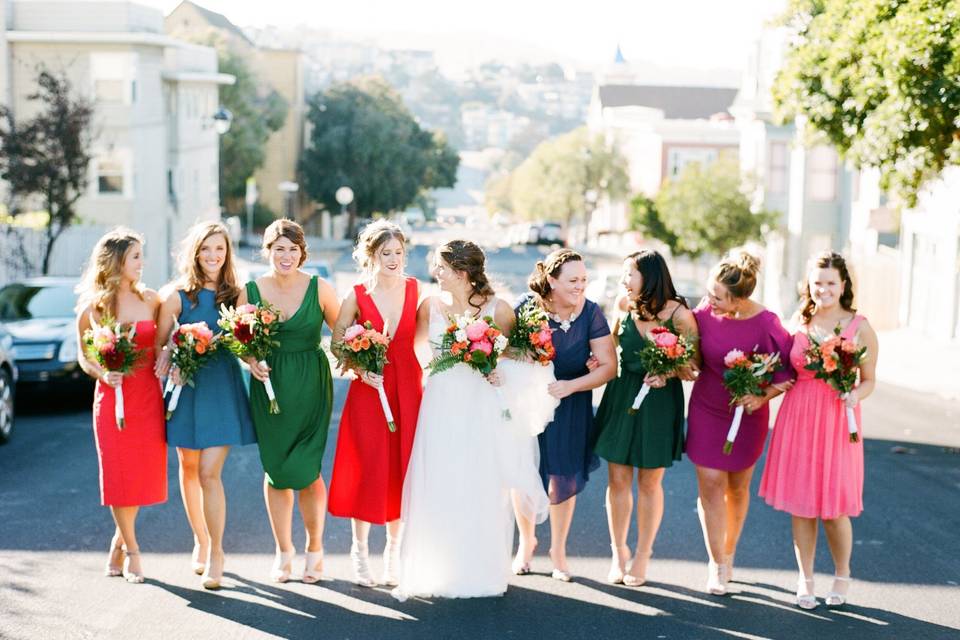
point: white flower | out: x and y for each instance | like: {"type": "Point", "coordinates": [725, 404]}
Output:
{"type": "Point", "coordinates": [462, 322]}
{"type": "Point", "coordinates": [500, 343]}
{"type": "Point", "coordinates": [460, 335]}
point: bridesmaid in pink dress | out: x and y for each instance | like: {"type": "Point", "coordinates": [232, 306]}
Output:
{"type": "Point", "coordinates": [813, 470]}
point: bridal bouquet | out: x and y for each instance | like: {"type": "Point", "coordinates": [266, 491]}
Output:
{"type": "Point", "coordinates": [476, 342]}
{"type": "Point", "coordinates": [664, 353]}
{"type": "Point", "coordinates": [363, 349]}
{"type": "Point", "coordinates": [248, 332]}
{"type": "Point", "coordinates": [532, 336]}
{"type": "Point", "coordinates": [111, 345]}
{"type": "Point", "coordinates": [193, 344]}
{"type": "Point", "coordinates": [837, 361]}
{"type": "Point", "coordinates": [747, 374]}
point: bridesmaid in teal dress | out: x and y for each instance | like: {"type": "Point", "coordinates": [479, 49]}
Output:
{"type": "Point", "coordinates": [213, 414]}
{"type": "Point", "coordinates": [292, 442]}
{"type": "Point", "coordinates": [652, 439]}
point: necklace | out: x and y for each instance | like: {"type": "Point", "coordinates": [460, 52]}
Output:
{"type": "Point", "coordinates": [564, 324]}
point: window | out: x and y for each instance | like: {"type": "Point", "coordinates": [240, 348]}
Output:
{"type": "Point", "coordinates": [778, 168]}
{"type": "Point", "coordinates": [114, 77]}
{"type": "Point", "coordinates": [109, 176]}
{"type": "Point", "coordinates": [679, 158]}
{"type": "Point", "coordinates": [822, 174]}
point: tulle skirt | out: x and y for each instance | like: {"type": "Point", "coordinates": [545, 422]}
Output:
{"type": "Point", "coordinates": [467, 458]}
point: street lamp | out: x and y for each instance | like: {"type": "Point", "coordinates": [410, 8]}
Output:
{"type": "Point", "coordinates": [344, 196]}
{"type": "Point", "coordinates": [222, 120]}
{"type": "Point", "coordinates": [288, 189]}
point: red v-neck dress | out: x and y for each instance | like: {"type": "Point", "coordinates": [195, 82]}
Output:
{"type": "Point", "coordinates": [371, 462]}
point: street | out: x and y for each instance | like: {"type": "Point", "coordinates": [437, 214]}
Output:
{"type": "Point", "coordinates": [54, 537]}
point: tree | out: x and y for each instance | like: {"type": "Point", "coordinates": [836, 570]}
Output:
{"type": "Point", "coordinates": [364, 137]}
{"type": "Point", "coordinates": [47, 156]}
{"type": "Point", "coordinates": [703, 210]}
{"type": "Point", "coordinates": [255, 117]}
{"type": "Point", "coordinates": [566, 176]}
{"type": "Point", "coordinates": [880, 80]}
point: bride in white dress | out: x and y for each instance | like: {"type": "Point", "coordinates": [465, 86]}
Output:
{"type": "Point", "coordinates": [466, 457]}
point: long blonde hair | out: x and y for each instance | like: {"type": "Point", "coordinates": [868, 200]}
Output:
{"type": "Point", "coordinates": [192, 276]}
{"type": "Point", "coordinates": [101, 279]}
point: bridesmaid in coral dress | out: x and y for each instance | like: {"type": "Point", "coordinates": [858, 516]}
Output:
{"type": "Point", "coordinates": [371, 462]}
{"type": "Point", "coordinates": [133, 462]}
{"type": "Point", "coordinates": [813, 470]}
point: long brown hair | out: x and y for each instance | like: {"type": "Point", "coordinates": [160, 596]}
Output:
{"type": "Point", "coordinates": [192, 276]}
{"type": "Point", "coordinates": [101, 279]}
{"type": "Point", "coordinates": [550, 266]}
{"type": "Point", "coordinates": [466, 257]}
{"type": "Point", "coordinates": [657, 287]}
{"type": "Point", "coordinates": [826, 260]}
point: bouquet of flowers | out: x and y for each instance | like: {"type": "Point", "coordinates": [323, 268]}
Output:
{"type": "Point", "coordinates": [664, 353]}
{"type": "Point", "coordinates": [111, 345]}
{"type": "Point", "coordinates": [476, 342]}
{"type": "Point", "coordinates": [363, 349]}
{"type": "Point", "coordinates": [193, 344]}
{"type": "Point", "coordinates": [532, 336]}
{"type": "Point", "coordinates": [837, 361]}
{"type": "Point", "coordinates": [747, 374]}
{"type": "Point", "coordinates": [248, 332]}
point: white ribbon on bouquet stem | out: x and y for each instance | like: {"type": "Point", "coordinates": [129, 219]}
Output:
{"type": "Point", "coordinates": [733, 430]}
{"type": "Point", "coordinates": [644, 390]}
{"type": "Point", "coordinates": [851, 420]}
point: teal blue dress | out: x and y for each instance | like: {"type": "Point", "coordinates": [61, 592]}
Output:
{"type": "Point", "coordinates": [215, 412]}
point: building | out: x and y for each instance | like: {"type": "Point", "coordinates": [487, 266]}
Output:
{"type": "Point", "coordinates": [278, 69]}
{"type": "Point", "coordinates": [484, 127]}
{"type": "Point", "coordinates": [156, 161]}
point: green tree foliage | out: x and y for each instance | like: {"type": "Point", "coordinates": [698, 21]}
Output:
{"type": "Point", "coordinates": [879, 79]}
{"type": "Point", "coordinates": [47, 156]}
{"type": "Point", "coordinates": [256, 115]}
{"type": "Point", "coordinates": [555, 181]}
{"type": "Point", "coordinates": [704, 210]}
{"type": "Point", "coordinates": [364, 137]}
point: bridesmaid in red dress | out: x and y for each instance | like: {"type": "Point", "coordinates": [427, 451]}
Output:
{"type": "Point", "coordinates": [370, 462]}
{"type": "Point", "coordinates": [133, 462]}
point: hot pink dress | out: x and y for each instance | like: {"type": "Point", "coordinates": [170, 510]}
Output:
{"type": "Point", "coordinates": [813, 470]}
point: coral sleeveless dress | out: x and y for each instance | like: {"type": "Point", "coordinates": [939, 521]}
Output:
{"type": "Point", "coordinates": [371, 462]}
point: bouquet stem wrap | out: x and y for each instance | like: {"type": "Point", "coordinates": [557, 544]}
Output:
{"type": "Point", "coordinates": [635, 407]}
{"type": "Point", "coordinates": [274, 406]}
{"type": "Point", "coordinates": [174, 399]}
{"type": "Point", "coordinates": [851, 422]}
{"type": "Point", "coordinates": [118, 406]}
{"type": "Point", "coordinates": [733, 430]}
{"type": "Point", "coordinates": [386, 409]}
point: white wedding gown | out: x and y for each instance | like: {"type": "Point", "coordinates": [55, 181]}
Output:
{"type": "Point", "coordinates": [466, 458]}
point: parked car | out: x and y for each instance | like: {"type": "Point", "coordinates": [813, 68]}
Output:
{"type": "Point", "coordinates": [39, 315]}
{"type": "Point", "coordinates": [8, 385]}
{"type": "Point", "coordinates": [550, 233]}
{"type": "Point", "coordinates": [603, 288]}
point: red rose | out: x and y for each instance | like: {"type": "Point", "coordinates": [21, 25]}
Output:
{"type": "Point", "coordinates": [243, 333]}
{"type": "Point", "coordinates": [113, 359]}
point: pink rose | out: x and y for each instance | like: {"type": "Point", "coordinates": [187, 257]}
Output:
{"type": "Point", "coordinates": [545, 336]}
{"type": "Point", "coordinates": [481, 345]}
{"type": "Point", "coordinates": [665, 339]}
{"type": "Point", "coordinates": [353, 331]}
{"type": "Point", "coordinates": [733, 357]}
{"type": "Point", "coordinates": [247, 308]}
{"type": "Point", "coordinates": [477, 330]}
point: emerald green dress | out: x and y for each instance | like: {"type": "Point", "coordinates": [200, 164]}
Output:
{"type": "Point", "coordinates": [653, 437]}
{"type": "Point", "coordinates": [292, 442]}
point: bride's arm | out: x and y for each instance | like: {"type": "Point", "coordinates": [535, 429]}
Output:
{"type": "Point", "coordinates": [423, 319]}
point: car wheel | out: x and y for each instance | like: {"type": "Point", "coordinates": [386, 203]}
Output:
{"type": "Point", "coordinates": [6, 405]}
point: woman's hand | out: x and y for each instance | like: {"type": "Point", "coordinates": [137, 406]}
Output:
{"type": "Point", "coordinates": [752, 403]}
{"type": "Point", "coordinates": [592, 362]}
{"type": "Point", "coordinates": [162, 366]}
{"type": "Point", "coordinates": [655, 382]}
{"type": "Point", "coordinates": [688, 372]}
{"type": "Point", "coordinates": [852, 399]}
{"type": "Point", "coordinates": [494, 378]}
{"type": "Point", "coordinates": [112, 378]}
{"type": "Point", "coordinates": [257, 370]}
{"type": "Point", "coordinates": [371, 379]}
{"type": "Point", "coordinates": [560, 389]}
{"type": "Point", "coordinates": [175, 376]}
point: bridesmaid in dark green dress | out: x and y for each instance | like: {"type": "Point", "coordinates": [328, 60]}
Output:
{"type": "Point", "coordinates": [292, 442]}
{"type": "Point", "coordinates": [652, 439]}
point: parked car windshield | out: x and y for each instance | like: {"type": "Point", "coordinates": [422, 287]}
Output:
{"type": "Point", "coordinates": [24, 302]}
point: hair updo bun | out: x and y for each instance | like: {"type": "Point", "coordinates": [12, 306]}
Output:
{"type": "Point", "coordinates": [468, 258]}
{"type": "Point", "coordinates": [738, 273]}
{"type": "Point", "coordinates": [550, 267]}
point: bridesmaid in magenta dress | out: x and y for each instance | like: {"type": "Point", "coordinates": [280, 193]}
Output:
{"type": "Point", "coordinates": [728, 320]}
{"type": "Point", "coordinates": [813, 471]}
{"type": "Point", "coordinates": [133, 462]}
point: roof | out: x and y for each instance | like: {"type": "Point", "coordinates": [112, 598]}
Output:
{"type": "Point", "coordinates": [677, 103]}
{"type": "Point", "coordinates": [219, 21]}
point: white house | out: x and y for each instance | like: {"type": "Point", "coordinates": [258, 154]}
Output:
{"type": "Point", "coordinates": [156, 157]}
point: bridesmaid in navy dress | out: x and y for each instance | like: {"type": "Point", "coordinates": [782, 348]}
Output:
{"type": "Point", "coordinates": [566, 445]}
{"type": "Point", "coordinates": [214, 414]}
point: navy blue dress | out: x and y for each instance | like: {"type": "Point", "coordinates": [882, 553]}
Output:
{"type": "Point", "coordinates": [215, 412]}
{"type": "Point", "coordinates": [566, 445]}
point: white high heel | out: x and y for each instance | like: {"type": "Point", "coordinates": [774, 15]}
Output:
{"type": "Point", "coordinates": [312, 575]}
{"type": "Point", "coordinates": [805, 598]}
{"type": "Point", "coordinates": [133, 577]}
{"type": "Point", "coordinates": [631, 580]}
{"type": "Point", "coordinates": [716, 584]}
{"type": "Point", "coordinates": [280, 572]}
{"type": "Point", "coordinates": [615, 575]}
{"type": "Point", "coordinates": [391, 562]}
{"type": "Point", "coordinates": [196, 562]}
{"type": "Point", "coordinates": [360, 557]}
{"type": "Point", "coordinates": [835, 598]}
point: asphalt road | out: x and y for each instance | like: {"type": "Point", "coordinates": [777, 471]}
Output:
{"type": "Point", "coordinates": [54, 536]}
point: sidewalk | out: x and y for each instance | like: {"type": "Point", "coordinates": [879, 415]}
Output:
{"type": "Point", "coordinates": [906, 362]}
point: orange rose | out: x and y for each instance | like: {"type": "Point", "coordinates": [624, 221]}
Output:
{"type": "Point", "coordinates": [829, 365]}
{"type": "Point", "coordinates": [267, 317]}
{"type": "Point", "coordinates": [201, 347]}
{"type": "Point", "coordinates": [364, 343]}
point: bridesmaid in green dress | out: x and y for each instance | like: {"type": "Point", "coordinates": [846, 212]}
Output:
{"type": "Point", "coordinates": [292, 442]}
{"type": "Point", "coordinates": [652, 439]}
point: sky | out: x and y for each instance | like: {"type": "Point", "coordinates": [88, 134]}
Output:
{"type": "Point", "coordinates": [700, 34]}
